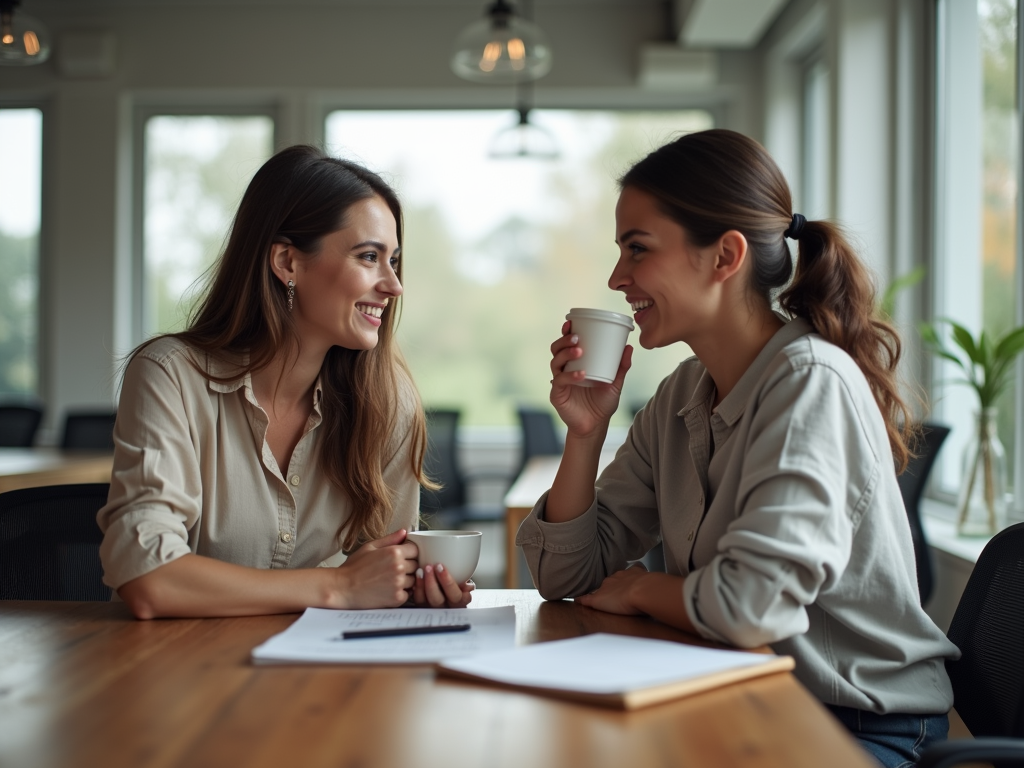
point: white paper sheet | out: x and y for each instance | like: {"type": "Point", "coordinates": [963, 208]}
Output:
{"type": "Point", "coordinates": [316, 637]}
{"type": "Point", "coordinates": [603, 664]}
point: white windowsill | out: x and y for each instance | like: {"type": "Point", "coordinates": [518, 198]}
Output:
{"type": "Point", "coordinates": [940, 532]}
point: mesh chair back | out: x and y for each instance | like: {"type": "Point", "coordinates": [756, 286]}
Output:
{"type": "Point", "coordinates": [539, 436]}
{"type": "Point", "coordinates": [18, 425]}
{"type": "Point", "coordinates": [912, 484]}
{"type": "Point", "coordinates": [988, 628]}
{"type": "Point", "coordinates": [49, 543]}
{"type": "Point", "coordinates": [89, 431]}
{"type": "Point", "coordinates": [441, 462]}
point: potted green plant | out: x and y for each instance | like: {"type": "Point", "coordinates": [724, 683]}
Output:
{"type": "Point", "coordinates": [987, 367]}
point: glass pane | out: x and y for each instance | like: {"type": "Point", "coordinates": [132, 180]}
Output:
{"type": "Point", "coordinates": [998, 30]}
{"type": "Point", "coordinates": [21, 137]}
{"type": "Point", "coordinates": [498, 250]}
{"type": "Point", "coordinates": [817, 149]}
{"type": "Point", "coordinates": [196, 169]}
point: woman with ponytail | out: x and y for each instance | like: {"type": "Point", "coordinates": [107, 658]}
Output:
{"type": "Point", "coordinates": [269, 457]}
{"type": "Point", "coordinates": [766, 463]}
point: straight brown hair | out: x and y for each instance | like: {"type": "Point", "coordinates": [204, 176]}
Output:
{"type": "Point", "coordinates": [299, 196]}
{"type": "Point", "coordinates": [715, 181]}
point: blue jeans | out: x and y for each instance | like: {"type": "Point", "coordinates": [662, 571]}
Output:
{"type": "Point", "coordinates": [896, 740]}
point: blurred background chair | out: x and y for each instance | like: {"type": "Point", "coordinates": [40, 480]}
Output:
{"type": "Point", "coordinates": [538, 432]}
{"type": "Point", "coordinates": [50, 542]}
{"type": "Point", "coordinates": [988, 679]}
{"type": "Point", "coordinates": [444, 508]}
{"type": "Point", "coordinates": [89, 430]}
{"type": "Point", "coordinates": [19, 423]}
{"type": "Point", "coordinates": [912, 484]}
{"type": "Point", "coordinates": [449, 506]}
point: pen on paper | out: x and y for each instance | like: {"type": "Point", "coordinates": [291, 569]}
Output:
{"type": "Point", "coordinates": [402, 631]}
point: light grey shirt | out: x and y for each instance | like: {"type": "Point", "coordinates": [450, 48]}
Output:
{"type": "Point", "coordinates": [193, 473]}
{"type": "Point", "coordinates": [781, 509]}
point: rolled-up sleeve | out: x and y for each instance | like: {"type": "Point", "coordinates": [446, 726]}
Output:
{"type": "Point", "coordinates": [572, 558]}
{"type": "Point", "coordinates": [809, 472]}
{"type": "Point", "coordinates": [155, 491]}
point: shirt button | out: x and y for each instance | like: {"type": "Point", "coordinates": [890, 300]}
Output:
{"type": "Point", "coordinates": [286, 537]}
{"type": "Point", "coordinates": [295, 480]}
{"type": "Point", "coordinates": [690, 536]}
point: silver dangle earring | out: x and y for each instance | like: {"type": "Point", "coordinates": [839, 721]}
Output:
{"type": "Point", "coordinates": [291, 295]}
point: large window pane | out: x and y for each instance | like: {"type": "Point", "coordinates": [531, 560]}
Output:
{"type": "Point", "coordinates": [498, 250]}
{"type": "Point", "coordinates": [196, 169]}
{"type": "Point", "coordinates": [977, 160]}
{"type": "Point", "coordinates": [998, 27]}
{"type": "Point", "coordinates": [21, 133]}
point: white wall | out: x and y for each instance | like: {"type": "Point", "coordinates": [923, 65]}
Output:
{"type": "Point", "coordinates": [298, 61]}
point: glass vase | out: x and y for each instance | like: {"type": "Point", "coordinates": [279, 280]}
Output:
{"type": "Point", "coordinates": [982, 505]}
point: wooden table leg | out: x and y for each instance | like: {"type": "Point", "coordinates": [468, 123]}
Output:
{"type": "Point", "coordinates": [514, 517]}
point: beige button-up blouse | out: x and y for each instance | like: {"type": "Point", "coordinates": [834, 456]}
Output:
{"type": "Point", "coordinates": [193, 473]}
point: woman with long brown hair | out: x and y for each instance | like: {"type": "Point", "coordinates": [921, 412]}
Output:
{"type": "Point", "coordinates": [281, 431]}
{"type": "Point", "coordinates": [766, 463]}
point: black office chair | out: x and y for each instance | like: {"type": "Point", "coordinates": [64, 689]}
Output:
{"type": "Point", "coordinates": [19, 424]}
{"type": "Point", "coordinates": [988, 679]}
{"type": "Point", "coordinates": [50, 543]}
{"type": "Point", "coordinates": [444, 508]}
{"type": "Point", "coordinates": [912, 484]}
{"type": "Point", "coordinates": [539, 436]}
{"type": "Point", "coordinates": [89, 430]}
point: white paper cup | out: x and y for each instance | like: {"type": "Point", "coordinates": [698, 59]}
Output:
{"type": "Point", "coordinates": [603, 336]}
{"type": "Point", "coordinates": [457, 551]}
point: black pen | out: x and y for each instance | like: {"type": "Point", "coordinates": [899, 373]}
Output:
{"type": "Point", "coordinates": [401, 631]}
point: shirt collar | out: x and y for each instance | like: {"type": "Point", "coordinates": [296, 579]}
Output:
{"type": "Point", "coordinates": [733, 404]}
{"type": "Point", "coordinates": [224, 367]}
{"type": "Point", "coordinates": [227, 367]}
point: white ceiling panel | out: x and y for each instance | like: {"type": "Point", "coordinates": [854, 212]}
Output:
{"type": "Point", "coordinates": [728, 23]}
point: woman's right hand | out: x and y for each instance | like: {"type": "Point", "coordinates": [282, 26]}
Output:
{"type": "Point", "coordinates": [379, 573]}
{"type": "Point", "coordinates": [585, 410]}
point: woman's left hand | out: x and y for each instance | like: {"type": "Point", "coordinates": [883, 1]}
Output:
{"type": "Point", "coordinates": [435, 587]}
{"type": "Point", "coordinates": [615, 595]}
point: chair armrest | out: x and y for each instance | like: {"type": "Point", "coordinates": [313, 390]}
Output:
{"type": "Point", "coordinates": [1002, 752]}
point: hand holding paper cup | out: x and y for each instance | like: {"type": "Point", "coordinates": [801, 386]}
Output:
{"type": "Point", "coordinates": [602, 337]}
{"type": "Point", "coordinates": [457, 551]}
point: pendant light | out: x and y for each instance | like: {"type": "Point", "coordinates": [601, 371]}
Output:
{"type": "Point", "coordinates": [501, 48]}
{"type": "Point", "coordinates": [524, 139]}
{"type": "Point", "coordinates": [24, 40]}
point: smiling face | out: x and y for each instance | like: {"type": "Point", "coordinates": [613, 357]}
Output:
{"type": "Point", "coordinates": [668, 282]}
{"type": "Point", "coordinates": [342, 291]}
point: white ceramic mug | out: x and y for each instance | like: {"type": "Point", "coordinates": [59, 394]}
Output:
{"type": "Point", "coordinates": [603, 336]}
{"type": "Point", "coordinates": [457, 551]}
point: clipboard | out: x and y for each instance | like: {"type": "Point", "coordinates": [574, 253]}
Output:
{"type": "Point", "coordinates": [615, 671]}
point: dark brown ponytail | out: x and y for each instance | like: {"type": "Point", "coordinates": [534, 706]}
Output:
{"type": "Point", "coordinates": [715, 181]}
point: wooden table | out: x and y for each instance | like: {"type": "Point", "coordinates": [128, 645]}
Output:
{"type": "Point", "coordinates": [84, 684]}
{"type": "Point", "coordinates": [536, 478]}
{"type": "Point", "coordinates": [31, 467]}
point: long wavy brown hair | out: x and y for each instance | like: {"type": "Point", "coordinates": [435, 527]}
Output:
{"type": "Point", "coordinates": [299, 196]}
{"type": "Point", "coordinates": [715, 181]}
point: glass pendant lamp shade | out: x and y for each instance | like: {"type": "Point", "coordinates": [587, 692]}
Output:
{"type": "Point", "coordinates": [524, 139]}
{"type": "Point", "coordinates": [24, 40]}
{"type": "Point", "coordinates": [501, 48]}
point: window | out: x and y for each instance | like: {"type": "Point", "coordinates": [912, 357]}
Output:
{"type": "Point", "coordinates": [816, 162]}
{"type": "Point", "coordinates": [978, 139]}
{"type": "Point", "coordinates": [195, 171]}
{"type": "Point", "coordinates": [21, 137]}
{"type": "Point", "coordinates": [498, 250]}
